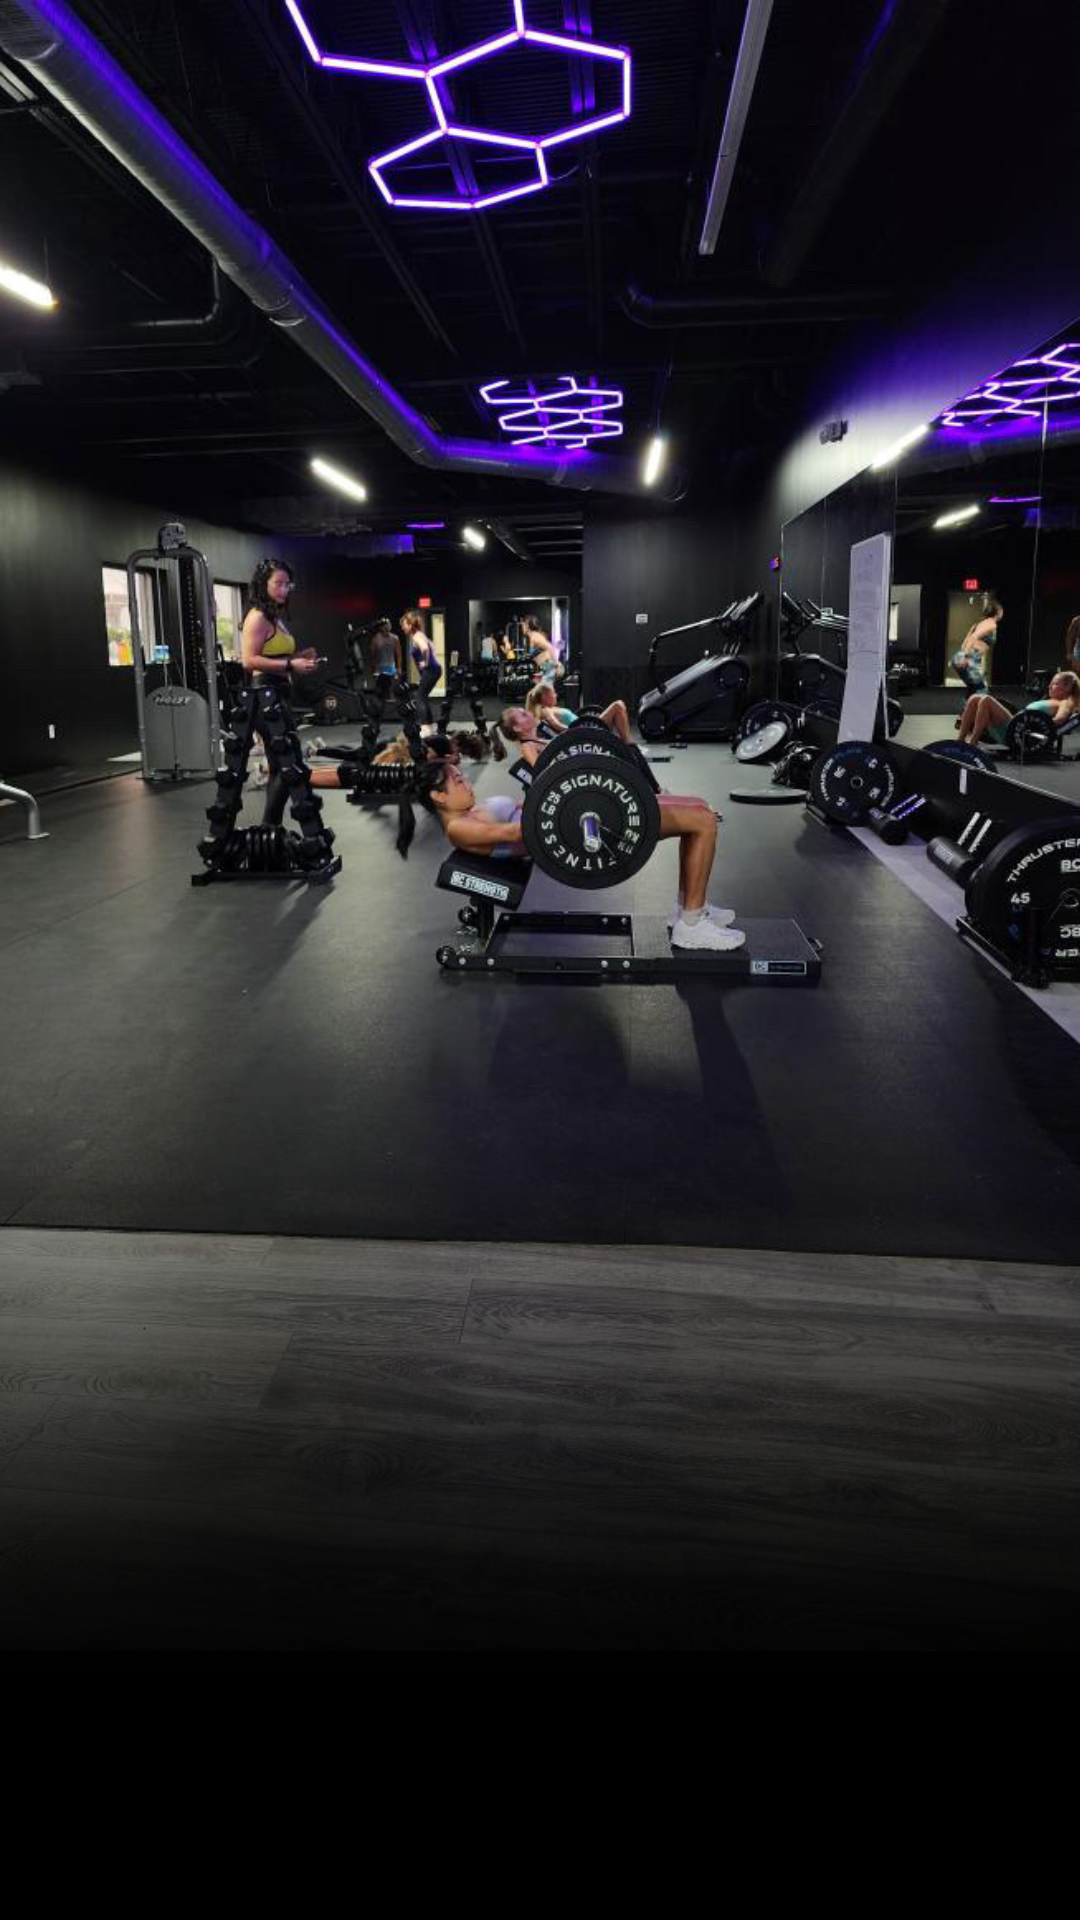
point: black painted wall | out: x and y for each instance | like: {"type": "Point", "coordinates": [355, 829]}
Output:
{"type": "Point", "coordinates": [56, 534]}
{"type": "Point", "coordinates": [58, 531]}
{"type": "Point", "coordinates": [673, 565]}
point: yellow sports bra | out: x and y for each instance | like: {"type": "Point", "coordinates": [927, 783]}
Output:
{"type": "Point", "coordinates": [280, 646]}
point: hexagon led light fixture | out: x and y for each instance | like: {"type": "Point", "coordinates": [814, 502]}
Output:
{"type": "Point", "coordinates": [564, 416]}
{"type": "Point", "coordinates": [1021, 391]}
{"type": "Point", "coordinates": [435, 77]}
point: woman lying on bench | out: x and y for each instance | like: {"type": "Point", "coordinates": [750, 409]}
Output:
{"type": "Point", "coordinates": [493, 827]}
{"type": "Point", "coordinates": [985, 717]}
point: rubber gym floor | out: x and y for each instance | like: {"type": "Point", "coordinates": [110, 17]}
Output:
{"type": "Point", "coordinates": [288, 1060]}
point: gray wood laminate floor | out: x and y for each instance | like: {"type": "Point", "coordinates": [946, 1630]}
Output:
{"type": "Point", "coordinates": [247, 1443]}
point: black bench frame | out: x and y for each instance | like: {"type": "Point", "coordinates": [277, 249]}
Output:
{"type": "Point", "coordinates": [777, 952]}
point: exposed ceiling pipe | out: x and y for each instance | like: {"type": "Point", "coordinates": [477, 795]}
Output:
{"type": "Point", "coordinates": [190, 323]}
{"type": "Point", "coordinates": [902, 32]}
{"type": "Point", "coordinates": [743, 309]}
{"type": "Point", "coordinates": [48, 38]}
{"type": "Point", "coordinates": [751, 46]}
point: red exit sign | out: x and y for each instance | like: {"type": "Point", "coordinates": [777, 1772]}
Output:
{"type": "Point", "coordinates": [425, 599]}
{"type": "Point", "coordinates": [970, 586]}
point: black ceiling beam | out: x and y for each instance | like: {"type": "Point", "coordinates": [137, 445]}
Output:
{"type": "Point", "coordinates": [900, 35]}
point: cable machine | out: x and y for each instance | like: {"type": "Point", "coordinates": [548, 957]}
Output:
{"type": "Point", "coordinates": [180, 720]}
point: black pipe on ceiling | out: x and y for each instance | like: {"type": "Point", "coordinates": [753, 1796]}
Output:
{"type": "Point", "coordinates": [744, 309]}
{"type": "Point", "coordinates": [902, 32]}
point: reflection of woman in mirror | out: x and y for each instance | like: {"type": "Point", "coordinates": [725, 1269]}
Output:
{"type": "Point", "coordinates": [972, 655]}
{"type": "Point", "coordinates": [1072, 644]}
{"type": "Point", "coordinates": [986, 718]}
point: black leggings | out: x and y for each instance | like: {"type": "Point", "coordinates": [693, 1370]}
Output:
{"type": "Point", "coordinates": [429, 678]}
{"type": "Point", "coordinates": [277, 790]}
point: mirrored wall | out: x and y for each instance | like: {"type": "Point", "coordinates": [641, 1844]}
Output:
{"type": "Point", "coordinates": [984, 510]}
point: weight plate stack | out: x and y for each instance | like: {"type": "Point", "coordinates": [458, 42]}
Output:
{"type": "Point", "coordinates": [852, 778]}
{"type": "Point", "coordinates": [590, 820]}
{"type": "Point", "coordinates": [826, 708]}
{"type": "Point", "coordinates": [1035, 869]}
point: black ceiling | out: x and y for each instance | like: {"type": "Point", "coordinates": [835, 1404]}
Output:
{"type": "Point", "coordinates": [221, 415]}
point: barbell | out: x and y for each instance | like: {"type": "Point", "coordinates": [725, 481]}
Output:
{"type": "Point", "coordinates": [591, 817]}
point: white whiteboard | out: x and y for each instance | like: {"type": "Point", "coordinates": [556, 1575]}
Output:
{"type": "Point", "coordinates": [868, 636]}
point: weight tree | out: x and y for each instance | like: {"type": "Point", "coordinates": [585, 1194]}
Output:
{"type": "Point", "coordinates": [265, 852]}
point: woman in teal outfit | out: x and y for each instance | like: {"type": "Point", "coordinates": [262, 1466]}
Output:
{"type": "Point", "coordinates": [542, 703]}
{"type": "Point", "coordinates": [985, 718]}
{"type": "Point", "coordinates": [972, 657]}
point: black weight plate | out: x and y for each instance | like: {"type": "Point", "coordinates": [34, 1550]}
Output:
{"type": "Point", "coordinates": [590, 820]}
{"type": "Point", "coordinates": [851, 778]}
{"type": "Point", "coordinates": [894, 715]}
{"type": "Point", "coordinates": [826, 708]}
{"type": "Point", "coordinates": [1038, 867]}
{"type": "Point", "coordinates": [1029, 733]}
{"type": "Point", "coordinates": [764, 741]}
{"type": "Point", "coordinates": [762, 714]}
{"type": "Point", "coordinates": [967, 755]}
{"type": "Point", "coordinates": [589, 736]}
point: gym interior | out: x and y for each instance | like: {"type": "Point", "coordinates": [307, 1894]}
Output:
{"type": "Point", "coordinates": [490, 1250]}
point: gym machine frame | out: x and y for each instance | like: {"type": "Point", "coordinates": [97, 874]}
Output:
{"type": "Point", "coordinates": [181, 699]}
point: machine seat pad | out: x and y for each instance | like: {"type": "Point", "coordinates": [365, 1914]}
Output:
{"type": "Point", "coordinates": [500, 878]}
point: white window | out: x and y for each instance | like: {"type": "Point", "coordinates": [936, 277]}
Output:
{"type": "Point", "coordinates": [114, 586]}
{"type": "Point", "coordinates": [228, 616]}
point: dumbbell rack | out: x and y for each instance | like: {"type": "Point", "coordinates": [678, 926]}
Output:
{"type": "Point", "coordinates": [258, 852]}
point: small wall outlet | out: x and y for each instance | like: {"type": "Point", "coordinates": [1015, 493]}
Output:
{"type": "Point", "coordinates": [52, 731]}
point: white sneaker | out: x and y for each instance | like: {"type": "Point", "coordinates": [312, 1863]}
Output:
{"type": "Point", "coordinates": [706, 937]}
{"type": "Point", "coordinates": [720, 916]}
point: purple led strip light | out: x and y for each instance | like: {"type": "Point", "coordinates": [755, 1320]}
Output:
{"type": "Point", "coordinates": [567, 416]}
{"type": "Point", "coordinates": [446, 128]}
{"type": "Point", "coordinates": [425, 526]}
{"type": "Point", "coordinates": [1010, 395]}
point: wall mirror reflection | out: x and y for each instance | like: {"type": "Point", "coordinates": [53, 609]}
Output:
{"type": "Point", "coordinates": [984, 508]}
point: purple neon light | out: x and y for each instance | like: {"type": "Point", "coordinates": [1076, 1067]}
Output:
{"type": "Point", "coordinates": [567, 416]}
{"type": "Point", "coordinates": [1011, 393]}
{"type": "Point", "coordinates": [459, 205]}
{"type": "Point", "coordinates": [425, 526]}
{"type": "Point", "coordinates": [1014, 499]}
{"type": "Point", "coordinates": [437, 71]}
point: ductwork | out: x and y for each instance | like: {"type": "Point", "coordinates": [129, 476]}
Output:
{"type": "Point", "coordinates": [70, 64]}
{"type": "Point", "coordinates": [743, 309]}
{"type": "Point", "coordinates": [903, 29]}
